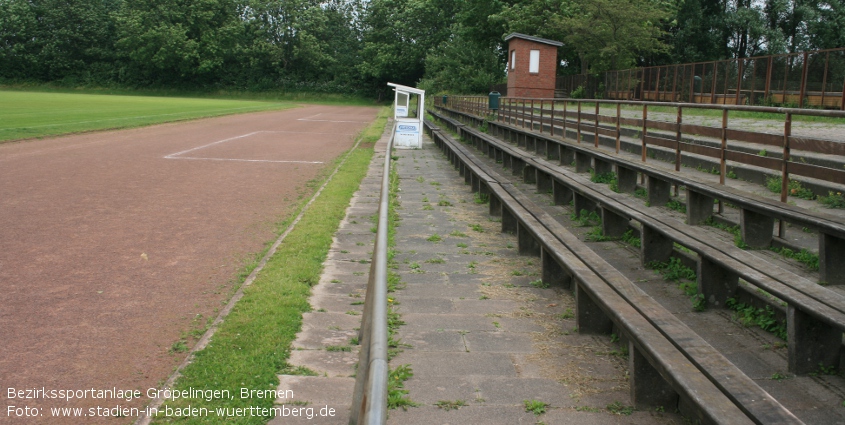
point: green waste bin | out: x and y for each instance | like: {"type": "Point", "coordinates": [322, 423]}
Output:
{"type": "Point", "coordinates": [445, 99]}
{"type": "Point", "coordinates": [494, 100]}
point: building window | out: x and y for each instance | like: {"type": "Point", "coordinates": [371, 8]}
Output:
{"type": "Point", "coordinates": [513, 59]}
{"type": "Point", "coordinates": [534, 65]}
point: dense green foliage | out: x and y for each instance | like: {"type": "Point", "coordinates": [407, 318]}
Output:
{"type": "Point", "coordinates": [356, 46]}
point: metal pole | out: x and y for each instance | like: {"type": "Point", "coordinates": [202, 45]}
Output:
{"type": "Point", "coordinates": [678, 141]}
{"type": "Point", "coordinates": [724, 148]}
{"type": "Point", "coordinates": [713, 82]}
{"type": "Point", "coordinates": [824, 78]}
{"type": "Point", "coordinates": [618, 125]}
{"type": "Point", "coordinates": [596, 130]}
{"type": "Point", "coordinates": [578, 131]}
{"type": "Point", "coordinates": [542, 103]}
{"type": "Point", "coordinates": [804, 80]}
{"type": "Point", "coordinates": [738, 80]}
{"type": "Point", "coordinates": [565, 102]}
{"type": "Point", "coordinates": [784, 172]}
{"type": "Point", "coordinates": [645, 130]}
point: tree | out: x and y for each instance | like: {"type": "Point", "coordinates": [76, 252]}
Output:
{"type": "Point", "coordinates": [612, 34]}
{"type": "Point", "coordinates": [461, 65]}
{"type": "Point", "coordinates": [185, 42]}
{"type": "Point", "coordinates": [398, 35]}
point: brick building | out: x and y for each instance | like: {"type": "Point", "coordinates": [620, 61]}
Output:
{"type": "Point", "coordinates": [532, 66]}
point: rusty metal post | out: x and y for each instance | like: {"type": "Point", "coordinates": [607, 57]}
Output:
{"type": "Point", "coordinates": [657, 86]}
{"type": "Point", "coordinates": [522, 112]}
{"type": "Point", "coordinates": [784, 172]}
{"type": "Point", "coordinates": [578, 130]}
{"type": "Point", "coordinates": [753, 82]}
{"type": "Point", "coordinates": [842, 104]}
{"type": "Point", "coordinates": [645, 130]}
{"type": "Point", "coordinates": [804, 80]}
{"type": "Point", "coordinates": [565, 102]}
{"type": "Point", "coordinates": [738, 80]}
{"type": "Point", "coordinates": [723, 155]}
{"type": "Point", "coordinates": [596, 130]}
{"type": "Point", "coordinates": [692, 85]}
{"type": "Point", "coordinates": [618, 125]}
{"type": "Point", "coordinates": [675, 85]}
{"type": "Point", "coordinates": [678, 143]}
{"type": "Point", "coordinates": [824, 77]}
{"type": "Point", "coordinates": [768, 78]}
{"type": "Point", "coordinates": [725, 90]}
{"type": "Point", "coordinates": [532, 116]}
{"type": "Point", "coordinates": [542, 102]}
{"type": "Point", "coordinates": [713, 82]}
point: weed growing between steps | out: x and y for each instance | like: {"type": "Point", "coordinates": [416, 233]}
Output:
{"type": "Point", "coordinates": [397, 395]}
{"type": "Point", "coordinates": [764, 318]}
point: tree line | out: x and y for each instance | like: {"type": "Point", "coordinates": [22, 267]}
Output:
{"type": "Point", "coordinates": [356, 46]}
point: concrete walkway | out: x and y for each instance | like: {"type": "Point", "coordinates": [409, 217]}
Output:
{"type": "Point", "coordinates": [486, 341]}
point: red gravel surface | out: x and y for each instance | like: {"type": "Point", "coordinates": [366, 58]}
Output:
{"type": "Point", "coordinates": [113, 245]}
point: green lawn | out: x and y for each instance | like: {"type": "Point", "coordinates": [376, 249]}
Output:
{"type": "Point", "coordinates": [26, 115]}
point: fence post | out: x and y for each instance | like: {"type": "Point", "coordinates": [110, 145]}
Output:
{"type": "Point", "coordinates": [784, 171]}
{"type": "Point", "coordinates": [618, 125]}
{"type": "Point", "coordinates": [552, 119]}
{"type": "Point", "coordinates": [542, 102]}
{"type": "Point", "coordinates": [678, 143]}
{"type": "Point", "coordinates": [723, 156]}
{"type": "Point", "coordinates": [645, 130]}
{"type": "Point", "coordinates": [578, 131]}
{"type": "Point", "coordinates": [803, 81]}
{"type": "Point", "coordinates": [565, 102]}
{"type": "Point", "coordinates": [596, 130]}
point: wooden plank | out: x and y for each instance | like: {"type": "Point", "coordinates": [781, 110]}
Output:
{"type": "Point", "coordinates": [755, 137]}
{"type": "Point", "coordinates": [660, 141]}
{"type": "Point", "coordinates": [662, 125]}
{"type": "Point", "coordinates": [707, 151]}
{"type": "Point", "coordinates": [702, 130]}
{"type": "Point", "coordinates": [634, 122]}
{"type": "Point", "coordinates": [756, 160]}
{"type": "Point", "coordinates": [817, 172]}
{"type": "Point", "coordinates": [826, 147]}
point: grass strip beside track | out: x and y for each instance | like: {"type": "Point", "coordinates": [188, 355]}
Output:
{"type": "Point", "coordinates": [25, 115]}
{"type": "Point", "coordinates": [253, 344]}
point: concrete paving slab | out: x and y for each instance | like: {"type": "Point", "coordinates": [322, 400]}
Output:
{"type": "Point", "coordinates": [455, 322]}
{"type": "Point", "coordinates": [438, 341]}
{"type": "Point", "coordinates": [499, 342]}
{"type": "Point", "coordinates": [473, 414]}
{"type": "Point", "coordinates": [429, 364]}
{"type": "Point", "coordinates": [326, 363]}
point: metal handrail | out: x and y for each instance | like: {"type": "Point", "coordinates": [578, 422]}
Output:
{"type": "Point", "coordinates": [369, 401]}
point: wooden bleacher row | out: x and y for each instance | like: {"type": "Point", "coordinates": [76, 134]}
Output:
{"type": "Point", "coordinates": [815, 315]}
{"type": "Point", "coordinates": [670, 364]}
{"type": "Point", "coordinates": [757, 214]}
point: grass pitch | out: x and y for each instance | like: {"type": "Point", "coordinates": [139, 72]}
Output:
{"type": "Point", "coordinates": [25, 115]}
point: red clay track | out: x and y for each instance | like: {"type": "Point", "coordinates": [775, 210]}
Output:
{"type": "Point", "coordinates": [80, 306]}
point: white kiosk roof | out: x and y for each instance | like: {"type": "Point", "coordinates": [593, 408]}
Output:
{"type": "Point", "coordinates": [406, 89]}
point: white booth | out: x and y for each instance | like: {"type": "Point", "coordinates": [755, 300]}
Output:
{"type": "Point", "coordinates": [408, 116]}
